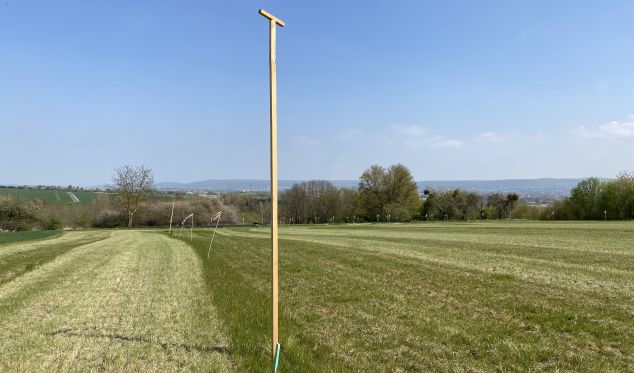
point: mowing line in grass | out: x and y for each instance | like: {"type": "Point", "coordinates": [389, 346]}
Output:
{"type": "Point", "coordinates": [444, 297]}
{"type": "Point", "coordinates": [17, 259]}
{"type": "Point", "coordinates": [135, 301]}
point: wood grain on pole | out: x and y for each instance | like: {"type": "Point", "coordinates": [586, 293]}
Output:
{"type": "Point", "coordinates": [273, 21]}
{"type": "Point", "coordinates": [274, 246]}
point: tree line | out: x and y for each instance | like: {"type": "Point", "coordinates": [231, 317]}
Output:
{"type": "Point", "coordinates": [595, 199]}
{"type": "Point", "coordinates": [391, 194]}
{"type": "Point", "coordinates": [382, 195]}
{"type": "Point", "coordinates": [387, 195]}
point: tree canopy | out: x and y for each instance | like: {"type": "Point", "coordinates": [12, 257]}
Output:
{"type": "Point", "coordinates": [390, 192]}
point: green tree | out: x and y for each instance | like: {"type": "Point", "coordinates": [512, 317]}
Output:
{"type": "Point", "coordinates": [429, 204]}
{"type": "Point", "coordinates": [502, 206]}
{"type": "Point", "coordinates": [621, 195]}
{"type": "Point", "coordinates": [586, 199]}
{"type": "Point", "coordinates": [511, 201]}
{"type": "Point", "coordinates": [372, 191]}
{"type": "Point", "coordinates": [453, 204]}
{"type": "Point", "coordinates": [386, 191]}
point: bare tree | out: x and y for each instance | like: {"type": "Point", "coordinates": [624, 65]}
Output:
{"type": "Point", "coordinates": [132, 185]}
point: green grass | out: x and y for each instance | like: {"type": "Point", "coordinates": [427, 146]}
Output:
{"type": "Point", "coordinates": [11, 237]}
{"type": "Point", "coordinates": [52, 196]}
{"type": "Point", "coordinates": [502, 296]}
{"type": "Point", "coordinates": [117, 301]}
{"type": "Point", "coordinates": [495, 296]}
{"type": "Point", "coordinates": [20, 258]}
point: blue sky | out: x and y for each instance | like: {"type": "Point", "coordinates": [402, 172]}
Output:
{"type": "Point", "coordinates": [452, 89]}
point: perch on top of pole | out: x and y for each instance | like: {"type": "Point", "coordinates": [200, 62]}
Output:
{"type": "Point", "coordinates": [273, 22]}
{"type": "Point", "coordinates": [271, 17]}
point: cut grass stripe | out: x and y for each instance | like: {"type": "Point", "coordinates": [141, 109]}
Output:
{"type": "Point", "coordinates": [17, 262]}
{"type": "Point", "coordinates": [135, 301]}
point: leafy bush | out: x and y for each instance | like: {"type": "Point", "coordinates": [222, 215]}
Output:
{"type": "Point", "coordinates": [157, 213]}
{"type": "Point", "coordinates": [18, 215]}
{"type": "Point", "coordinates": [53, 224]}
{"type": "Point", "coordinates": [109, 219]}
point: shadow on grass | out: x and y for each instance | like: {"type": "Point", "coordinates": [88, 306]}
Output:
{"type": "Point", "coordinates": [125, 338]}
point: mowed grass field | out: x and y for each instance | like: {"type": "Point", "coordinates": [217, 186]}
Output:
{"type": "Point", "coordinates": [505, 296]}
{"type": "Point", "coordinates": [508, 296]}
{"type": "Point", "coordinates": [107, 300]}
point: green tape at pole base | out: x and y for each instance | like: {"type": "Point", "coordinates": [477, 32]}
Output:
{"type": "Point", "coordinates": [276, 361]}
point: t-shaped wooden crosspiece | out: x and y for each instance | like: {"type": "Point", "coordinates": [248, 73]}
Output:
{"type": "Point", "coordinates": [271, 17]}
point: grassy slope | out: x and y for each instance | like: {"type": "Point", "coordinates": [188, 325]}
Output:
{"type": "Point", "coordinates": [133, 301]}
{"type": "Point", "coordinates": [446, 297]}
{"type": "Point", "coordinates": [52, 196]}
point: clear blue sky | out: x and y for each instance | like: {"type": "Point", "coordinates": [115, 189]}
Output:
{"type": "Point", "coordinates": [452, 89]}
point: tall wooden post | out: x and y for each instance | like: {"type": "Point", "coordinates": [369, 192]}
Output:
{"type": "Point", "coordinates": [273, 22]}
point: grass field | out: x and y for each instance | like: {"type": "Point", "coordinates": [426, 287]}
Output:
{"type": "Point", "coordinates": [431, 297]}
{"type": "Point", "coordinates": [52, 196]}
{"type": "Point", "coordinates": [508, 296]}
{"type": "Point", "coordinates": [9, 237]}
{"type": "Point", "coordinates": [109, 300]}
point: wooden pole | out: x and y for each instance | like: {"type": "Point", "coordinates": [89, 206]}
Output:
{"type": "Point", "coordinates": [273, 22]}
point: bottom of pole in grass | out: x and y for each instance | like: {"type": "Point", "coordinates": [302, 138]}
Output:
{"type": "Point", "coordinates": [276, 360]}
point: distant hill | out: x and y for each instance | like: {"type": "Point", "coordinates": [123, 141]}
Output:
{"type": "Point", "coordinates": [238, 185]}
{"type": "Point", "coordinates": [539, 190]}
{"type": "Point", "coordinates": [534, 189]}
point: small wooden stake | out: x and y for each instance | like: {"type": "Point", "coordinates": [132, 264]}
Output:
{"type": "Point", "coordinates": [172, 217]}
{"type": "Point", "coordinates": [273, 21]}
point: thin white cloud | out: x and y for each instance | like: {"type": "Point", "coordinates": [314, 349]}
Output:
{"type": "Point", "coordinates": [552, 153]}
{"type": "Point", "coordinates": [418, 137]}
{"type": "Point", "coordinates": [409, 130]}
{"type": "Point", "coordinates": [442, 143]}
{"type": "Point", "coordinates": [488, 137]}
{"type": "Point", "coordinates": [350, 134]}
{"type": "Point", "coordinates": [305, 140]}
{"type": "Point", "coordinates": [498, 137]}
{"type": "Point", "coordinates": [614, 130]}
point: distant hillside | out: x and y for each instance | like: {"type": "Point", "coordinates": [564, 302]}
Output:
{"type": "Point", "coordinates": [57, 196]}
{"type": "Point", "coordinates": [238, 185]}
{"type": "Point", "coordinates": [548, 188]}
{"type": "Point", "coordinates": [534, 189]}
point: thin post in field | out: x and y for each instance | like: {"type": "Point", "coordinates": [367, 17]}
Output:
{"type": "Point", "coordinates": [172, 217]}
{"type": "Point", "coordinates": [217, 218]}
{"type": "Point", "coordinates": [183, 225]}
{"type": "Point", "coordinates": [273, 22]}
